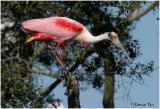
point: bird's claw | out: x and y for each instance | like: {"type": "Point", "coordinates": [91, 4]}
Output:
{"type": "Point", "coordinates": [71, 87]}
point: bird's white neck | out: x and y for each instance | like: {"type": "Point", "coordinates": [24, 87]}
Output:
{"type": "Point", "coordinates": [86, 36]}
{"type": "Point", "coordinates": [100, 37]}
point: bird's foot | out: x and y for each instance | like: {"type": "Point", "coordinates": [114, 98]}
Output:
{"type": "Point", "coordinates": [70, 83]}
{"type": "Point", "coordinates": [71, 87]}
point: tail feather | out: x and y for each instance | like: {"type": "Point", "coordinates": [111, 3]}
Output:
{"type": "Point", "coordinates": [30, 40]}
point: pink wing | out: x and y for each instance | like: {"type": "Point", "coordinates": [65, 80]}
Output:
{"type": "Point", "coordinates": [61, 27]}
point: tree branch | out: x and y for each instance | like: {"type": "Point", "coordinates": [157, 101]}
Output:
{"type": "Point", "coordinates": [151, 6]}
{"type": "Point", "coordinates": [108, 97]}
{"type": "Point", "coordinates": [38, 102]}
{"type": "Point", "coordinates": [51, 74]}
{"type": "Point", "coordinates": [73, 99]}
{"type": "Point", "coordinates": [129, 19]}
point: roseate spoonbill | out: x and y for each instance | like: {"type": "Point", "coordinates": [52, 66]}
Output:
{"type": "Point", "coordinates": [62, 30]}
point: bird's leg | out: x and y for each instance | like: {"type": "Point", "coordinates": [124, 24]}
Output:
{"type": "Point", "coordinates": [61, 52]}
{"type": "Point", "coordinates": [57, 57]}
{"type": "Point", "coordinates": [59, 60]}
{"type": "Point", "coordinates": [69, 82]}
{"type": "Point", "coordinates": [66, 72]}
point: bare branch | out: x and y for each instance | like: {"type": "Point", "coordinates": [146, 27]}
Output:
{"type": "Point", "coordinates": [38, 102]}
{"type": "Point", "coordinates": [129, 14]}
{"type": "Point", "coordinates": [150, 7]}
{"type": "Point", "coordinates": [53, 75]}
{"type": "Point", "coordinates": [129, 19]}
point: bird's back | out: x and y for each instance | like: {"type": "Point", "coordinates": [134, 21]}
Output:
{"type": "Point", "coordinates": [61, 27]}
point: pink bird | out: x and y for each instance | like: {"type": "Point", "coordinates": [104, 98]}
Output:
{"type": "Point", "coordinates": [63, 30]}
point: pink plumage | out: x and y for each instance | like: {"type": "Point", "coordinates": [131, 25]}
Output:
{"type": "Point", "coordinates": [57, 29]}
{"type": "Point", "coordinates": [60, 27]}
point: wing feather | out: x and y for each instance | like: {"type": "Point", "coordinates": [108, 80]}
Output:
{"type": "Point", "coordinates": [60, 27]}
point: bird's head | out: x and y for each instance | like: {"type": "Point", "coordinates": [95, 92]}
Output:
{"type": "Point", "coordinates": [115, 40]}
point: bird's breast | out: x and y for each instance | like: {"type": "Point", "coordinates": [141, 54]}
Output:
{"type": "Point", "coordinates": [85, 35]}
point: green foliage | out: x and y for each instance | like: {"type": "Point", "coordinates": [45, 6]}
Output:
{"type": "Point", "coordinates": [17, 88]}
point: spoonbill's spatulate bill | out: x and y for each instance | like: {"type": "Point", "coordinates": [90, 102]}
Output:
{"type": "Point", "coordinates": [63, 30]}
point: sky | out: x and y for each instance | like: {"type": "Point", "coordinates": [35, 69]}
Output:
{"type": "Point", "coordinates": [147, 32]}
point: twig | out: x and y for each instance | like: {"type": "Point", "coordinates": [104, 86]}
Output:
{"type": "Point", "coordinates": [9, 59]}
{"type": "Point", "coordinates": [53, 75]}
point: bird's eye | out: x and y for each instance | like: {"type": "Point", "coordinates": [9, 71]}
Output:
{"type": "Point", "coordinates": [110, 35]}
